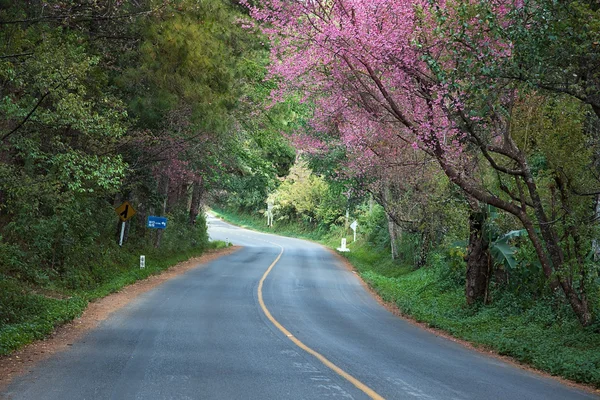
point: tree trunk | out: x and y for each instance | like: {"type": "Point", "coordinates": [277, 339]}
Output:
{"type": "Point", "coordinates": [386, 196]}
{"type": "Point", "coordinates": [595, 242]}
{"type": "Point", "coordinates": [578, 301]}
{"type": "Point", "coordinates": [172, 198]}
{"type": "Point", "coordinates": [347, 223]}
{"type": "Point", "coordinates": [393, 237]}
{"type": "Point", "coordinates": [545, 244]}
{"type": "Point", "coordinates": [195, 204]}
{"type": "Point", "coordinates": [579, 304]}
{"type": "Point", "coordinates": [477, 258]}
{"type": "Point", "coordinates": [142, 216]}
{"type": "Point", "coordinates": [423, 250]}
{"type": "Point", "coordinates": [165, 193]}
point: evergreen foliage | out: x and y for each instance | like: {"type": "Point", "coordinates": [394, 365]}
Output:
{"type": "Point", "coordinates": [102, 102]}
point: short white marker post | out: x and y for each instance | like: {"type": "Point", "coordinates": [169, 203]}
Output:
{"type": "Point", "coordinates": [343, 248]}
{"type": "Point", "coordinates": [142, 262]}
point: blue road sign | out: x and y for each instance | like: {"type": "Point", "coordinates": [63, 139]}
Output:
{"type": "Point", "coordinates": [157, 222]}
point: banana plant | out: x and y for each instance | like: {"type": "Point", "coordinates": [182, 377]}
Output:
{"type": "Point", "coordinates": [501, 250]}
{"type": "Point", "coordinates": [503, 253]}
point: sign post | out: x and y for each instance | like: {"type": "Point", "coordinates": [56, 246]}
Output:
{"type": "Point", "coordinates": [354, 225]}
{"type": "Point", "coordinates": [125, 211]}
{"type": "Point", "coordinates": [142, 262]}
{"type": "Point", "coordinates": [122, 233]}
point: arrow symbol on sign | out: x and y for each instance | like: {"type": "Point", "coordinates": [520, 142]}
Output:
{"type": "Point", "coordinates": [125, 212]}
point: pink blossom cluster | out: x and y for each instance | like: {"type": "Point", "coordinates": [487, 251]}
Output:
{"type": "Point", "coordinates": [369, 68]}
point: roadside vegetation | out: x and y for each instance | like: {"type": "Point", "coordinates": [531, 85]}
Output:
{"type": "Point", "coordinates": [32, 310]}
{"type": "Point", "coordinates": [102, 102]}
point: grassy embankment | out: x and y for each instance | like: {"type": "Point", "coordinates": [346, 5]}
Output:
{"type": "Point", "coordinates": [32, 311]}
{"type": "Point", "coordinates": [540, 332]}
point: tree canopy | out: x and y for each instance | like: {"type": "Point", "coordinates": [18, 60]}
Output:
{"type": "Point", "coordinates": [465, 85]}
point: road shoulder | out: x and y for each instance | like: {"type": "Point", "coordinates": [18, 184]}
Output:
{"type": "Point", "coordinates": [21, 361]}
{"type": "Point", "coordinates": [394, 309]}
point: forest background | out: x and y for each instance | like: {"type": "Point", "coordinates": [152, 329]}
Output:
{"type": "Point", "coordinates": [462, 136]}
{"type": "Point", "coordinates": [156, 103]}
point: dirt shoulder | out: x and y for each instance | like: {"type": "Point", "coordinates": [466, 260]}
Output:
{"type": "Point", "coordinates": [21, 361]}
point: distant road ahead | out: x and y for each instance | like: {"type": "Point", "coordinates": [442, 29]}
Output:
{"type": "Point", "coordinates": [314, 333]}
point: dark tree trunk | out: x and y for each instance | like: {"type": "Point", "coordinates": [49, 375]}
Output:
{"type": "Point", "coordinates": [393, 236]}
{"type": "Point", "coordinates": [423, 250]}
{"type": "Point", "coordinates": [142, 217]}
{"type": "Point", "coordinates": [126, 234]}
{"type": "Point", "coordinates": [477, 258]}
{"type": "Point", "coordinates": [576, 298]}
{"type": "Point", "coordinates": [595, 241]}
{"type": "Point", "coordinates": [172, 198]}
{"type": "Point", "coordinates": [196, 201]}
{"type": "Point", "coordinates": [165, 193]}
{"type": "Point", "coordinates": [545, 244]}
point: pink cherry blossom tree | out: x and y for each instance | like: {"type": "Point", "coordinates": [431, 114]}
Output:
{"type": "Point", "coordinates": [386, 75]}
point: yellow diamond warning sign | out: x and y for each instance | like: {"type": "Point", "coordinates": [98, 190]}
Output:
{"type": "Point", "coordinates": [125, 211]}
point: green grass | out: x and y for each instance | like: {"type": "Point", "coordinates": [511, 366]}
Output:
{"type": "Point", "coordinates": [31, 313]}
{"type": "Point", "coordinates": [532, 334]}
{"type": "Point", "coordinates": [541, 332]}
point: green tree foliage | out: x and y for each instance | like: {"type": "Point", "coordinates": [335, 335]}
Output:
{"type": "Point", "coordinates": [301, 197]}
{"type": "Point", "coordinates": [516, 83]}
{"type": "Point", "coordinates": [103, 101]}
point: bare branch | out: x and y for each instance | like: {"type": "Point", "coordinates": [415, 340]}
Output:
{"type": "Point", "coordinates": [27, 117]}
{"type": "Point", "coordinates": [16, 55]}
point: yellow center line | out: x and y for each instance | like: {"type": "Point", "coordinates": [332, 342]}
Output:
{"type": "Point", "coordinates": [367, 390]}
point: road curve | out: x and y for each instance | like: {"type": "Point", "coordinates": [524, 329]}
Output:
{"type": "Point", "coordinates": [205, 335]}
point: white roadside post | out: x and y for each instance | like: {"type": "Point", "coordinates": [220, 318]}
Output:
{"type": "Point", "coordinates": [343, 248]}
{"type": "Point", "coordinates": [354, 225]}
{"type": "Point", "coordinates": [142, 262]}
{"type": "Point", "coordinates": [270, 205]}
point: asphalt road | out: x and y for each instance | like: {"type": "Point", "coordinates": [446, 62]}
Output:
{"type": "Point", "coordinates": [205, 335]}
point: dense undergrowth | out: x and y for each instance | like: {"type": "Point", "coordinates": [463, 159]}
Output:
{"type": "Point", "coordinates": [537, 330]}
{"type": "Point", "coordinates": [31, 307]}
